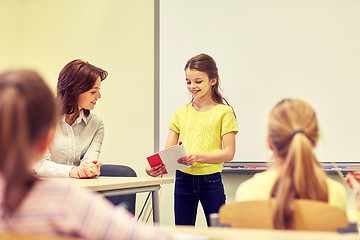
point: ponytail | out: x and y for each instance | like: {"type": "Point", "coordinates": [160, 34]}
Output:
{"type": "Point", "coordinates": [27, 112]}
{"type": "Point", "coordinates": [15, 148]}
{"type": "Point", "coordinates": [301, 175]}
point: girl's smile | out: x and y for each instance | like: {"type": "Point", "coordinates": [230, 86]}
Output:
{"type": "Point", "coordinates": [193, 92]}
{"type": "Point", "coordinates": [198, 83]}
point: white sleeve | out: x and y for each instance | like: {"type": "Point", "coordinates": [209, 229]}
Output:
{"type": "Point", "coordinates": [48, 168]}
{"type": "Point", "coordinates": [94, 149]}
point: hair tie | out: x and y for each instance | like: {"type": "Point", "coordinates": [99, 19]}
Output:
{"type": "Point", "coordinates": [297, 131]}
{"type": "Point", "coordinates": [11, 84]}
{"type": "Point", "coordinates": [303, 132]}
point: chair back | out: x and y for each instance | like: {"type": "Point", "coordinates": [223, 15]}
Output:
{"type": "Point", "coordinates": [309, 215]}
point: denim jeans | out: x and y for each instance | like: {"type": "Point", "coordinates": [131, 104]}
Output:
{"type": "Point", "coordinates": [190, 189]}
{"type": "Point", "coordinates": [128, 201]}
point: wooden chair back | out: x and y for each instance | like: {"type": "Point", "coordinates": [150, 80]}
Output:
{"type": "Point", "coordinates": [309, 215]}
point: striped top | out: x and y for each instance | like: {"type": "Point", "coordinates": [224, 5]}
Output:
{"type": "Point", "coordinates": [55, 208]}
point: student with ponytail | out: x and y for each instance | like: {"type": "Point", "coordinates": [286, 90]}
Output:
{"type": "Point", "coordinates": [293, 132]}
{"type": "Point", "coordinates": [49, 207]}
{"type": "Point", "coordinates": [23, 133]}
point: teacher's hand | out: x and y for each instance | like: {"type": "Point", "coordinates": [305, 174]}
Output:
{"type": "Point", "coordinates": [93, 165]}
{"type": "Point", "coordinates": [87, 169]}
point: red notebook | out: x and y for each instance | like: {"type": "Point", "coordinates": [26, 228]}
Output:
{"type": "Point", "coordinates": [169, 157]}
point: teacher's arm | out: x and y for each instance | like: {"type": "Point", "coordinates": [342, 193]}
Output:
{"type": "Point", "coordinates": [48, 168]}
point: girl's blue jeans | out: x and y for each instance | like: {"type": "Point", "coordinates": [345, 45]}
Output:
{"type": "Point", "coordinates": [190, 189]}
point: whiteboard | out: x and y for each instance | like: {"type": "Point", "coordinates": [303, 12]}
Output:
{"type": "Point", "coordinates": [265, 51]}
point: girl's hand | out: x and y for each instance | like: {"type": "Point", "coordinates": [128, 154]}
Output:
{"type": "Point", "coordinates": [155, 171]}
{"type": "Point", "coordinates": [189, 159]}
{"type": "Point", "coordinates": [353, 181]}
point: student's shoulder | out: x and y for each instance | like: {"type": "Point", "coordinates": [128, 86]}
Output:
{"type": "Point", "coordinates": [52, 190]}
{"type": "Point", "coordinates": [263, 177]}
{"type": "Point", "coordinates": [224, 108]}
{"type": "Point", "coordinates": [182, 109]}
{"type": "Point", "coordinates": [334, 186]}
{"type": "Point", "coordinates": [60, 187]}
{"type": "Point", "coordinates": [59, 194]}
{"type": "Point", "coordinates": [336, 193]}
{"type": "Point", "coordinates": [55, 184]}
{"type": "Point", "coordinates": [257, 187]}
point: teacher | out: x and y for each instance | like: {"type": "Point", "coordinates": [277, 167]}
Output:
{"type": "Point", "coordinates": [79, 135]}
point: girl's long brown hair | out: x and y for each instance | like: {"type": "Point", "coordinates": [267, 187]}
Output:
{"type": "Point", "coordinates": [205, 63]}
{"type": "Point", "coordinates": [301, 175]}
{"type": "Point", "coordinates": [27, 112]}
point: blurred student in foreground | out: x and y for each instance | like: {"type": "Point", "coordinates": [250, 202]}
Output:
{"type": "Point", "coordinates": [28, 116]}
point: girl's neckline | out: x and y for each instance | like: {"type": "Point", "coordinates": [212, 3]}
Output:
{"type": "Point", "coordinates": [207, 110]}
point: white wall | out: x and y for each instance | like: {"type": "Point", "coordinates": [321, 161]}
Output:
{"type": "Point", "coordinates": [265, 51]}
{"type": "Point", "coordinates": [112, 34]}
{"type": "Point", "coordinates": [11, 33]}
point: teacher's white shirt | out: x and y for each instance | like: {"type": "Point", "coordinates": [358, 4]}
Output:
{"type": "Point", "coordinates": [72, 144]}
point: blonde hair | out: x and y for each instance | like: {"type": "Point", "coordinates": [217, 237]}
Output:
{"type": "Point", "coordinates": [293, 132]}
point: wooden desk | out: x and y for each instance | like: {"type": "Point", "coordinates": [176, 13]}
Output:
{"type": "Point", "coordinates": [215, 233]}
{"type": "Point", "coordinates": [110, 186]}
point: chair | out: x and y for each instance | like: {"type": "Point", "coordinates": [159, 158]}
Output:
{"type": "Point", "coordinates": [309, 215]}
{"type": "Point", "coordinates": [128, 200]}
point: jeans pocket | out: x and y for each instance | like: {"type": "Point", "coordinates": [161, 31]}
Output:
{"type": "Point", "coordinates": [212, 178]}
{"type": "Point", "coordinates": [179, 175]}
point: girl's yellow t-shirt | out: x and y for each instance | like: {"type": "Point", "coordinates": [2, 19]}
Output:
{"type": "Point", "coordinates": [260, 185]}
{"type": "Point", "coordinates": [202, 132]}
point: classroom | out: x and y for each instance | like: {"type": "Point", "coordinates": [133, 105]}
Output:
{"type": "Point", "coordinates": [144, 44]}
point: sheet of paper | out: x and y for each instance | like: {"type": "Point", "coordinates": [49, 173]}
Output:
{"type": "Point", "coordinates": [169, 157]}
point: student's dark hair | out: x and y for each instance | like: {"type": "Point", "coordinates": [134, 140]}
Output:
{"type": "Point", "coordinates": [205, 63]}
{"type": "Point", "coordinates": [293, 132]}
{"type": "Point", "coordinates": [75, 78]}
{"type": "Point", "coordinates": [27, 113]}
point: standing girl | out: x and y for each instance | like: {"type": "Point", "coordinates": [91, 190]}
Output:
{"type": "Point", "coordinates": [207, 127]}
